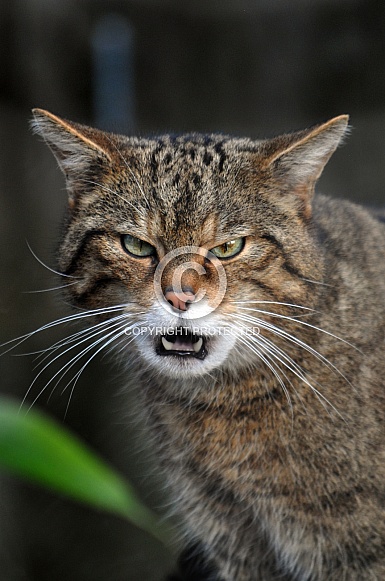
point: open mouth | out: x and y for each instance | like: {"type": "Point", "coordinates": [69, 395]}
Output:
{"type": "Point", "coordinates": [181, 342]}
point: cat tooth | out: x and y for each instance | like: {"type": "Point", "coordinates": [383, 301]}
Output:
{"type": "Point", "coordinates": [198, 345]}
{"type": "Point", "coordinates": [167, 344]}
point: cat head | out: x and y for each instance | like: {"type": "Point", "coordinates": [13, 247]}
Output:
{"type": "Point", "coordinates": [180, 241]}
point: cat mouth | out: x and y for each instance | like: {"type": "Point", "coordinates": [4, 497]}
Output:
{"type": "Point", "coordinates": [182, 342]}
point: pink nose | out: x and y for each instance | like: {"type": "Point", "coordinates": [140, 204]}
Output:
{"type": "Point", "coordinates": [179, 300]}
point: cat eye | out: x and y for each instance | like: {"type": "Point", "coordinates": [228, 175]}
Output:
{"type": "Point", "coordinates": [136, 246]}
{"type": "Point", "coordinates": [228, 249]}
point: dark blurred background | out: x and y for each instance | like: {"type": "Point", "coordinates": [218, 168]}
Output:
{"type": "Point", "coordinates": [247, 67]}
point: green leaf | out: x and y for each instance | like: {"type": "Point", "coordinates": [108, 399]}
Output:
{"type": "Point", "coordinates": [36, 448]}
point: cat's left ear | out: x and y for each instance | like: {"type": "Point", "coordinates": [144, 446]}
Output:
{"type": "Point", "coordinates": [297, 160]}
{"type": "Point", "coordinates": [79, 150]}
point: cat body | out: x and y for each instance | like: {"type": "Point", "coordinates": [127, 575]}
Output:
{"type": "Point", "coordinates": [250, 316]}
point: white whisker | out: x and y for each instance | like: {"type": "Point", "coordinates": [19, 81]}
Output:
{"type": "Point", "coordinates": [259, 302]}
{"type": "Point", "coordinates": [46, 290]}
{"type": "Point", "coordinates": [273, 368]}
{"type": "Point", "coordinates": [115, 193]}
{"type": "Point", "coordinates": [86, 333]}
{"type": "Point", "coordinates": [76, 377]}
{"type": "Point", "coordinates": [45, 265]}
{"type": "Point", "coordinates": [115, 323]}
{"type": "Point", "coordinates": [130, 170]}
{"type": "Point", "coordinates": [293, 339]}
{"type": "Point", "coordinates": [316, 282]}
{"type": "Point", "coordinates": [67, 319]}
{"type": "Point", "coordinates": [117, 330]}
{"type": "Point", "coordinates": [278, 315]}
{"type": "Point", "coordinates": [291, 366]}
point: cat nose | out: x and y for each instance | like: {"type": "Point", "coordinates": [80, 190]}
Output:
{"type": "Point", "coordinates": [179, 300]}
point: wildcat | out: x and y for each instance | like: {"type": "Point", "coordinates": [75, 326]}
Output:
{"type": "Point", "coordinates": [249, 313]}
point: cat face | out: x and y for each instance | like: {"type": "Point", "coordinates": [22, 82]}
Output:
{"type": "Point", "coordinates": [187, 250]}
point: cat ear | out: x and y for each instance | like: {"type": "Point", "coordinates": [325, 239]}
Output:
{"type": "Point", "coordinates": [298, 159]}
{"type": "Point", "coordinates": [77, 148]}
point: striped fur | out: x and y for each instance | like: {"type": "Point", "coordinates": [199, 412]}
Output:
{"type": "Point", "coordinates": [272, 444]}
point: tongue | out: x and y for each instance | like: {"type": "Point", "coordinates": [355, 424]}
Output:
{"type": "Point", "coordinates": [183, 344]}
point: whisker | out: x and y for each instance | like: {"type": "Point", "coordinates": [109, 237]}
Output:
{"type": "Point", "coordinates": [267, 360]}
{"type": "Point", "coordinates": [294, 368]}
{"type": "Point", "coordinates": [280, 354]}
{"type": "Point", "coordinates": [46, 290]}
{"type": "Point", "coordinates": [129, 169]}
{"type": "Point", "coordinates": [67, 319]}
{"type": "Point", "coordinates": [293, 339]}
{"type": "Point", "coordinates": [273, 303]}
{"type": "Point", "coordinates": [64, 370]}
{"type": "Point", "coordinates": [77, 357]}
{"type": "Point", "coordinates": [87, 333]}
{"type": "Point", "coordinates": [316, 282]}
{"type": "Point", "coordinates": [308, 310]}
{"type": "Point", "coordinates": [76, 377]}
{"type": "Point", "coordinates": [122, 331]}
{"type": "Point", "coordinates": [55, 359]}
{"type": "Point", "coordinates": [114, 335]}
{"type": "Point", "coordinates": [45, 265]}
{"type": "Point", "coordinates": [124, 342]}
{"type": "Point", "coordinates": [115, 193]}
{"type": "Point", "coordinates": [278, 315]}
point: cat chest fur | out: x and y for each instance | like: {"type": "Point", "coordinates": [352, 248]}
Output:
{"type": "Point", "coordinates": [273, 483]}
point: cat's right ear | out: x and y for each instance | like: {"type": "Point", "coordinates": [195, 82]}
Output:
{"type": "Point", "coordinates": [80, 150]}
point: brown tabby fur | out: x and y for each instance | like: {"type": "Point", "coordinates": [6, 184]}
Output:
{"type": "Point", "coordinates": [277, 473]}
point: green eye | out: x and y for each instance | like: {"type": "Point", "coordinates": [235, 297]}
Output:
{"type": "Point", "coordinates": [136, 246]}
{"type": "Point", "coordinates": [229, 249]}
